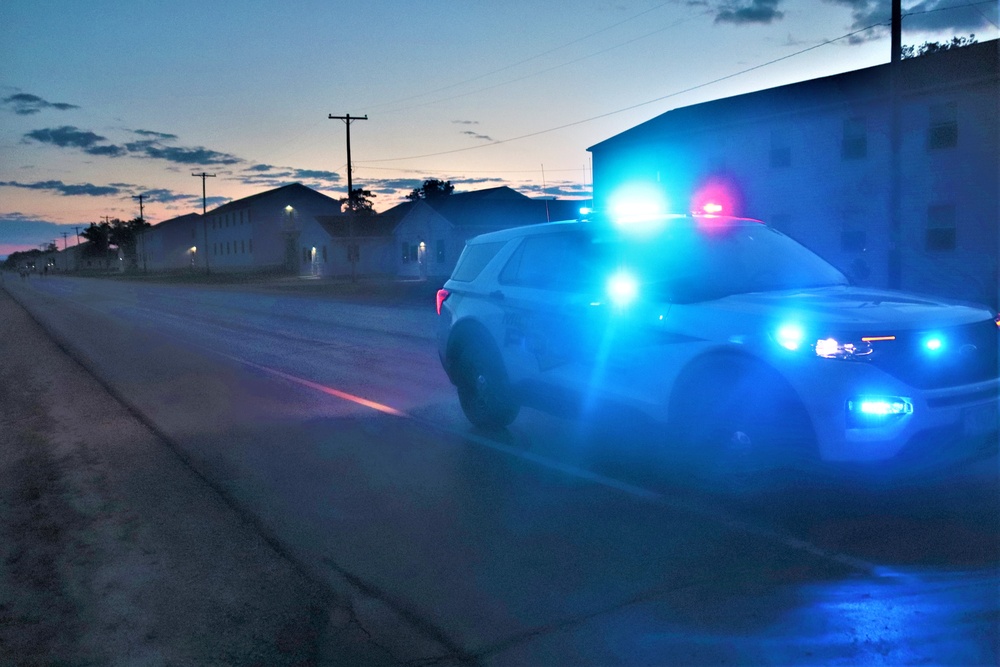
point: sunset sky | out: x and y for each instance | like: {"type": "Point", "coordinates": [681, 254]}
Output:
{"type": "Point", "coordinates": [101, 101]}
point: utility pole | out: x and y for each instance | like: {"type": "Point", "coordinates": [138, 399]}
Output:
{"type": "Point", "coordinates": [140, 198]}
{"type": "Point", "coordinates": [347, 121]}
{"type": "Point", "coordinates": [64, 235]}
{"type": "Point", "coordinates": [76, 251]}
{"type": "Point", "coordinates": [204, 220]}
{"type": "Point", "coordinates": [142, 232]}
{"type": "Point", "coordinates": [894, 268]}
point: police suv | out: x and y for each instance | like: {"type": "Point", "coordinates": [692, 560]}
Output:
{"type": "Point", "coordinates": [728, 331]}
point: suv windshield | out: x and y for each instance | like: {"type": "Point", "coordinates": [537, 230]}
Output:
{"type": "Point", "coordinates": [687, 264]}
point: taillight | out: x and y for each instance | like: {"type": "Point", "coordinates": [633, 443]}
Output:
{"type": "Point", "coordinates": [442, 294]}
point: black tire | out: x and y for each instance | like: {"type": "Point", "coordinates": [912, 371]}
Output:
{"type": "Point", "coordinates": [740, 424]}
{"type": "Point", "coordinates": [483, 389]}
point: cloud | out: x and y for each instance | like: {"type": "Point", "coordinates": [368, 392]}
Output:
{"type": "Point", "coordinates": [66, 189]}
{"type": "Point", "coordinates": [466, 122]}
{"type": "Point", "coordinates": [151, 146]}
{"type": "Point", "coordinates": [476, 135]}
{"type": "Point", "coordinates": [330, 176]}
{"type": "Point", "coordinates": [163, 195]}
{"type": "Point", "coordinates": [928, 16]}
{"type": "Point", "coordinates": [271, 176]}
{"type": "Point", "coordinates": [65, 136]}
{"type": "Point", "coordinates": [158, 135]}
{"type": "Point", "coordinates": [743, 12]}
{"type": "Point", "coordinates": [182, 155]}
{"type": "Point", "coordinates": [26, 104]}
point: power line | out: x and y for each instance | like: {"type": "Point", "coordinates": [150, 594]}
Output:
{"type": "Point", "coordinates": [516, 64]}
{"type": "Point", "coordinates": [634, 106]}
{"type": "Point", "coordinates": [552, 68]}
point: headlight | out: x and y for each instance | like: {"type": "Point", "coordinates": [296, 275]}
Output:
{"type": "Point", "coordinates": [831, 348]}
{"type": "Point", "coordinates": [793, 337]}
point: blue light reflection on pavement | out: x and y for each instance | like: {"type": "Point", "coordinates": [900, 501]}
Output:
{"type": "Point", "coordinates": [917, 618]}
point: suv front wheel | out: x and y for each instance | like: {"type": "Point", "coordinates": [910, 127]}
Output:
{"type": "Point", "coordinates": [483, 389]}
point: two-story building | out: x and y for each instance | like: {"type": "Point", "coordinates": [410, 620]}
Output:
{"type": "Point", "coordinates": [891, 172]}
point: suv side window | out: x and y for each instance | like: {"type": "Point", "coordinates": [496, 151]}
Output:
{"type": "Point", "coordinates": [559, 262]}
{"type": "Point", "coordinates": [474, 259]}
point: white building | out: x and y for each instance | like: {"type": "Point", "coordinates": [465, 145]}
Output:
{"type": "Point", "coordinates": [815, 159]}
{"type": "Point", "coordinates": [273, 230]}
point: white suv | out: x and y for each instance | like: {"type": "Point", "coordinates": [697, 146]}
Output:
{"type": "Point", "coordinates": [725, 329]}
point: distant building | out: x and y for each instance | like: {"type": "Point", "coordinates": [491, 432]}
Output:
{"type": "Point", "coordinates": [815, 160]}
{"type": "Point", "coordinates": [360, 245]}
{"type": "Point", "coordinates": [173, 245]}
{"type": "Point", "coordinates": [431, 233]}
{"type": "Point", "coordinates": [273, 230]}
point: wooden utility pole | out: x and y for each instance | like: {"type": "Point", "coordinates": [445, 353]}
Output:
{"type": "Point", "coordinates": [204, 220]}
{"type": "Point", "coordinates": [347, 121]}
{"type": "Point", "coordinates": [894, 268]}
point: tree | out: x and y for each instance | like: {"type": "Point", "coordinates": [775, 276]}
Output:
{"type": "Point", "coordinates": [359, 202]}
{"type": "Point", "coordinates": [125, 236]}
{"type": "Point", "coordinates": [432, 189]}
{"type": "Point", "coordinates": [98, 236]}
{"type": "Point", "coordinates": [936, 47]}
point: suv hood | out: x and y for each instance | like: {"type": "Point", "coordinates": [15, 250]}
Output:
{"type": "Point", "coordinates": [855, 307]}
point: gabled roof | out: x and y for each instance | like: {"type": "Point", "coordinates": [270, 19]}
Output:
{"type": "Point", "coordinates": [355, 226]}
{"type": "Point", "coordinates": [945, 69]}
{"type": "Point", "coordinates": [179, 220]}
{"type": "Point", "coordinates": [489, 208]}
{"type": "Point", "coordinates": [290, 191]}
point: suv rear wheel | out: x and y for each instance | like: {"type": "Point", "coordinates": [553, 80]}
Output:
{"type": "Point", "coordinates": [483, 389]}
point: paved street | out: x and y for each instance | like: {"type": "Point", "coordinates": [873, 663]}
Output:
{"type": "Point", "coordinates": [331, 426]}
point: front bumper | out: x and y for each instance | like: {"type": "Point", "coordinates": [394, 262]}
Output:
{"type": "Point", "coordinates": [954, 417]}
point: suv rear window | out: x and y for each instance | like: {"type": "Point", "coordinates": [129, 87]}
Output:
{"type": "Point", "coordinates": [474, 259]}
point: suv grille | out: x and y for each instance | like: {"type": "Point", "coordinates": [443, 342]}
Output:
{"type": "Point", "coordinates": [970, 355]}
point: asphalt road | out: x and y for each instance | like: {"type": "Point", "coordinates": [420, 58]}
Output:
{"type": "Point", "coordinates": [560, 541]}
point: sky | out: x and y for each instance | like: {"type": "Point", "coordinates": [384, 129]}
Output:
{"type": "Point", "coordinates": [106, 100]}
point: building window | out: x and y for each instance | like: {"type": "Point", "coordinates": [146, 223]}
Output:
{"type": "Point", "coordinates": [941, 227]}
{"type": "Point", "coordinates": [440, 251]}
{"type": "Point", "coordinates": [943, 129]}
{"type": "Point", "coordinates": [324, 254]}
{"type": "Point", "coordinates": [853, 236]}
{"type": "Point", "coordinates": [781, 149]}
{"type": "Point", "coordinates": [305, 255]}
{"type": "Point", "coordinates": [406, 252]}
{"type": "Point", "coordinates": [854, 145]}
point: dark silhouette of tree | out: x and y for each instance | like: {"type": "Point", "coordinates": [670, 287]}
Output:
{"type": "Point", "coordinates": [431, 189]}
{"type": "Point", "coordinates": [98, 237]}
{"type": "Point", "coordinates": [125, 236]}
{"type": "Point", "coordinates": [22, 258]}
{"type": "Point", "coordinates": [359, 202]}
{"type": "Point", "coordinates": [51, 247]}
{"type": "Point", "coordinates": [936, 47]}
